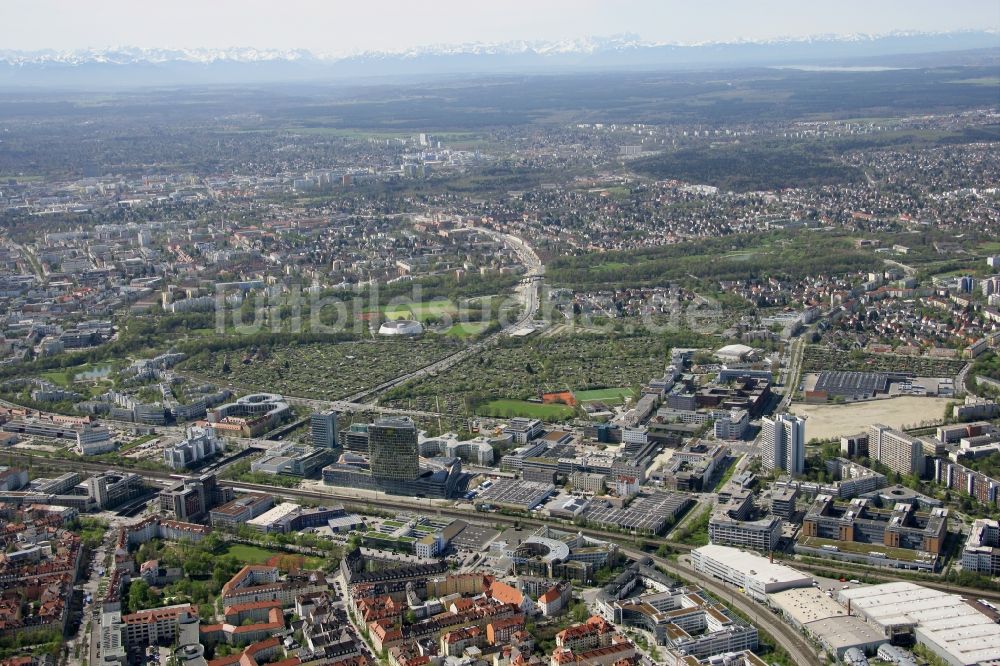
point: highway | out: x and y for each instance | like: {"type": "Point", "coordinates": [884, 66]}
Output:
{"type": "Point", "coordinates": [534, 270]}
{"type": "Point", "coordinates": [530, 294]}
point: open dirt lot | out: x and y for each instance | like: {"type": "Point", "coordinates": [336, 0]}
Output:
{"type": "Point", "coordinates": [829, 421]}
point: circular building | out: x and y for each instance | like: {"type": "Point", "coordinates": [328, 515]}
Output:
{"type": "Point", "coordinates": [403, 327]}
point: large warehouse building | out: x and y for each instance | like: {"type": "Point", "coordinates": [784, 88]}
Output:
{"type": "Point", "coordinates": [827, 621]}
{"type": "Point", "coordinates": [950, 626]}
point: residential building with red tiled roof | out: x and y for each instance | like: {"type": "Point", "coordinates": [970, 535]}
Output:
{"type": "Point", "coordinates": [621, 650]}
{"type": "Point", "coordinates": [595, 632]}
{"type": "Point", "coordinates": [453, 643]}
{"type": "Point", "coordinates": [500, 632]}
{"type": "Point", "coordinates": [555, 598]}
{"type": "Point", "coordinates": [253, 655]}
{"type": "Point", "coordinates": [157, 625]}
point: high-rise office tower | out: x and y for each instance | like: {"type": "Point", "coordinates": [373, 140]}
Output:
{"type": "Point", "coordinates": [392, 449]}
{"type": "Point", "coordinates": [783, 443]}
{"type": "Point", "coordinates": [323, 429]}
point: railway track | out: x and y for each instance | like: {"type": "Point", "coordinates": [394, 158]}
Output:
{"type": "Point", "coordinates": [794, 643]}
{"type": "Point", "coordinates": [629, 544]}
{"type": "Point", "coordinates": [352, 501]}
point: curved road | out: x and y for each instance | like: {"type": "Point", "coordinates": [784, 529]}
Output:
{"type": "Point", "coordinates": [529, 292]}
{"type": "Point", "coordinates": [530, 295]}
{"type": "Point", "coordinates": [797, 647]}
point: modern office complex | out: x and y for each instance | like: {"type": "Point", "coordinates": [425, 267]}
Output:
{"type": "Point", "coordinates": [442, 478]}
{"type": "Point", "coordinates": [694, 467]}
{"type": "Point", "coordinates": [982, 549]}
{"type": "Point", "coordinates": [90, 438]}
{"type": "Point", "coordinates": [293, 459]}
{"type": "Point", "coordinates": [199, 444]}
{"type": "Point", "coordinates": [523, 430]}
{"type": "Point", "coordinates": [732, 523]}
{"type": "Point", "coordinates": [251, 415]}
{"type": "Point", "coordinates": [354, 438]}
{"type": "Point", "coordinates": [889, 534]}
{"type": "Point", "coordinates": [734, 425]}
{"type": "Point", "coordinates": [478, 451]}
{"type": "Point", "coordinates": [111, 489]}
{"type": "Point", "coordinates": [689, 622]}
{"type": "Point", "coordinates": [393, 465]}
{"type": "Point", "coordinates": [784, 443]}
{"type": "Point", "coordinates": [191, 498]}
{"type": "Point", "coordinates": [852, 480]}
{"type": "Point", "coordinates": [323, 429]}
{"type": "Point", "coordinates": [239, 511]}
{"type": "Point", "coordinates": [392, 449]}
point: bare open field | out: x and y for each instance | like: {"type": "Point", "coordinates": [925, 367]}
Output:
{"type": "Point", "coordinates": [828, 421]}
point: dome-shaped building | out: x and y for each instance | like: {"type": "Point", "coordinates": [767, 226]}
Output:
{"type": "Point", "coordinates": [406, 327]}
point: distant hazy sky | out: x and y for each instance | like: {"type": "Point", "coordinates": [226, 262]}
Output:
{"type": "Point", "coordinates": [340, 26]}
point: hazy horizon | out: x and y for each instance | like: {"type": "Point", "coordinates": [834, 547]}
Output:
{"type": "Point", "coordinates": [391, 25]}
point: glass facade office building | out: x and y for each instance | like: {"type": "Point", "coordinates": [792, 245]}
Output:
{"type": "Point", "coordinates": [392, 449]}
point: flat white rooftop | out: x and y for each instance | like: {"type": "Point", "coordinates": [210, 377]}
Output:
{"type": "Point", "coordinates": [941, 620]}
{"type": "Point", "coordinates": [840, 633]}
{"type": "Point", "coordinates": [275, 514]}
{"type": "Point", "coordinates": [807, 604]}
{"type": "Point", "coordinates": [753, 565]}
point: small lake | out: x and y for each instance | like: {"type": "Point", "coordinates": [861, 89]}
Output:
{"type": "Point", "coordinates": [97, 372]}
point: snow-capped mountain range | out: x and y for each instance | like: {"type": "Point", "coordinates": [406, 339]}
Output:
{"type": "Point", "coordinates": [239, 64]}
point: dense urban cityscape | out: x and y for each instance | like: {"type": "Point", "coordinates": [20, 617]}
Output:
{"type": "Point", "coordinates": [683, 357]}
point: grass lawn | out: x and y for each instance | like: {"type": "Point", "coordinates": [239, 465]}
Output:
{"type": "Point", "coordinates": [137, 441]}
{"type": "Point", "coordinates": [59, 377]}
{"type": "Point", "coordinates": [533, 410]}
{"type": "Point", "coordinates": [468, 329]}
{"type": "Point", "coordinates": [312, 562]}
{"type": "Point", "coordinates": [82, 373]}
{"type": "Point", "coordinates": [904, 554]}
{"type": "Point", "coordinates": [257, 555]}
{"type": "Point", "coordinates": [251, 554]}
{"type": "Point", "coordinates": [420, 311]}
{"type": "Point", "coordinates": [730, 469]}
{"type": "Point", "coordinates": [693, 532]}
{"type": "Point", "coordinates": [604, 395]}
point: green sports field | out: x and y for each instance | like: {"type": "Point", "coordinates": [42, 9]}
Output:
{"type": "Point", "coordinates": [604, 395]}
{"type": "Point", "coordinates": [420, 311]}
{"type": "Point", "coordinates": [468, 329]}
{"type": "Point", "coordinates": [531, 410]}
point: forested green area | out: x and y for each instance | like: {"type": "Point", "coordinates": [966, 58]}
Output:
{"type": "Point", "coordinates": [746, 169]}
{"type": "Point", "coordinates": [753, 256]}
